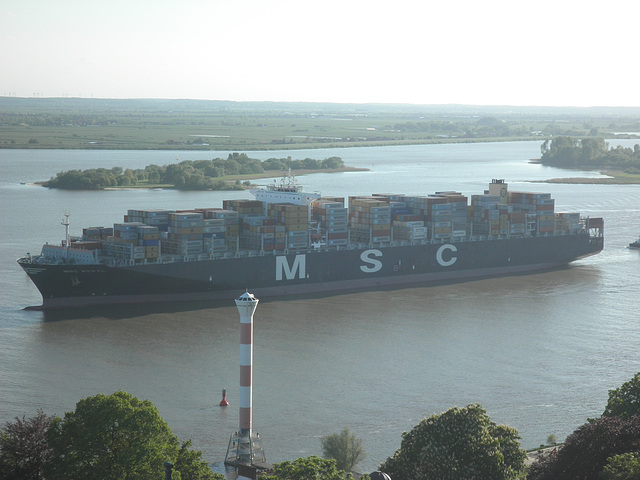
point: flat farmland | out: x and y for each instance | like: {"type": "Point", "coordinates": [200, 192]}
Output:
{"type": "Point", "coordinates": [73, 123]}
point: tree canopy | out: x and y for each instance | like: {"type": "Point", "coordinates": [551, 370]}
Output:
{"type": "Point", "coordinates": [345, 448]}
{"type": "Point", "coordinates": [310, 468]}
{"type": "Point", "coordinates": [117, 437]}
{"type": "Point", "coordinates": [625, 400]}
{"type": "Point", "coordinates": [607, 447]}
{"type": "Point", "coordinates": [587, 450]}
{"type": "Point", "coordinates": [24, 448]}
{"type": "Point", "coordinates": [185, 175]}
{"type": "Point", "coordinates": [459, 444]}
{"type": "Point", "coordinates": [622, 467]}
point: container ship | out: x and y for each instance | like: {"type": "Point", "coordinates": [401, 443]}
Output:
{"type": "Point", "coordinates": [285, 241]}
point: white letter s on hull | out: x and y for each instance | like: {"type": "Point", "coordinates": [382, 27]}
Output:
{"type": "Point", "coordinates": [375, 265]}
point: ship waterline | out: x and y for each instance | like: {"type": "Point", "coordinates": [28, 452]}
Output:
{"type": "Point", "coordinates": [312, 271]}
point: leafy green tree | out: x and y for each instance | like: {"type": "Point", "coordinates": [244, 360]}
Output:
{"type": "Point", "coordinates": [154, 173]}
{"type": "Point", "coordinates": [624, 401]}
{"type": "Point", "coordinates": [333, 163]}
{"type": "Point", "coordinates": [124, 181]}
{"type": "Point", "coordinates": [345, 448]}
{"type": "Point", "coordinates": [274, 164]}
{"type": "Point", "coordinates": [229, 166]}
{"type": "Point", "coordinates": [24, 448]}
{"type": "Point", "coordinates": [128, 173]}
{"type": "Point", "coordinates": [211, 170]}
{"type": "Point", "coordinates": [310, 468]}
{"type": "Point", "coordinates": [115, 437]}
{"type": "Point", "coordinates": [622, 467]}
{"type": "Point", "coordinates": [310, 164]}
{"type": "Point", "coordinates": [190, 465]}
{"type": "Point", "coordinates": [459, 444]}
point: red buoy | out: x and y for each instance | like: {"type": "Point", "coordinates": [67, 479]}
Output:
{"type": "Point", "coordinates": [223, 402]}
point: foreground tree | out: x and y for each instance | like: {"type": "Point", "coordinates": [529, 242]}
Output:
{"type": "Point", "coordinates": [310, 468]}
{"type": "Point", "coordinates": [116, 437]}
{"type": "Point", "coordinates": [345, 448]}
{"type": "Point", "coordinates": [24, 448]}
{"type": "Point", "coordinates": [459, 444]}
{"type": "Point", "coordinates": [191, 466]}
{"type": "Point", "coordinates": [624, 401]}
{"type": "Point", "coordinates": [622, 467]}
{"type": "Point", "coordinates": [604, 448]}
{"type": "Point", "coordinates": [587, 451]}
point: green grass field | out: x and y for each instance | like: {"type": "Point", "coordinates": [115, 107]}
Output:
{"type": "Point", "coordinates": [213, 133]}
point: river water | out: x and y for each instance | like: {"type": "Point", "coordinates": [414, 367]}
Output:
{"type": "Point", "coordinates": [539, 352]}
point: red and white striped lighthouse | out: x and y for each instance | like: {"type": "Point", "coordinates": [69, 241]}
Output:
{"type": "Point", "coordinates": [245, 448]}
{"type": "Point", "coordinates": [247, 305]}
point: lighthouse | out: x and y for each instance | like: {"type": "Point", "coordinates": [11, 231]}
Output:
{"type": "Point", "coordinates": [245, 447]}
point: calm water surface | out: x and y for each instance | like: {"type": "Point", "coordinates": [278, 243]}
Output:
{"type": "Point", "coordinates": [539, 352]}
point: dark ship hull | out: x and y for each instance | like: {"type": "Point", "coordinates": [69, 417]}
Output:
{"type": "Point", "coordinates": [320, 270]}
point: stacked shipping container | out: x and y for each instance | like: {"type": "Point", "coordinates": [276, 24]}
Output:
{"type": "Point", "coordinates": [538, 207]}
{"type": "Point", "coordinates": [332, 220]}
{"type": "Point", "coordinates": [406, 225]}
{"type": "Point", "coordinates": [369, 219]}
{"type": "Point", "coordinates": [293, 221]}
{"type": "Point", "coordinates": [185, 234]}
{"type": "Point", "coordinates": [133, 241]}
{"type": "Point", "coordinates": [230, 219]}
{"type": "Point", "coordinates": [381, 218]}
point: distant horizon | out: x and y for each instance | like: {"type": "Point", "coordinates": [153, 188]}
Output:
{"type": "Point", "coordinates": [337, 102]}
{"type": "Point", "coordinates": [408, 104]}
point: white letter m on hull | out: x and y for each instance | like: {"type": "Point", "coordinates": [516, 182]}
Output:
{"type": "Point", "coordinates": [282, 266]}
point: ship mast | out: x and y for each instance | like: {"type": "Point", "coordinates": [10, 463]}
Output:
{"type": "Point", "coordinates": [66, 224]}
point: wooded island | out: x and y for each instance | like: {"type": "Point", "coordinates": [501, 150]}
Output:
{"type": "Point", "coordinates": [216, 174]}
{"type": "Point", "coordinates": [570, 152]}
{"type": "Point", "coordinates": [620, 164]}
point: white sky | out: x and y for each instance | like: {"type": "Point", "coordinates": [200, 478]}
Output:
{"type": "Point", "coordinates": [491, 52]}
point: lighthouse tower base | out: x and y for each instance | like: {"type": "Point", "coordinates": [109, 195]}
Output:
{"type": "Point", "coordinates": [245, 449]}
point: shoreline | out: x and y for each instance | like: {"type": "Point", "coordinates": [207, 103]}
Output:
{"type": "Point", "coordinates": [613, 178]}
{"type": "Point", "coordinates": [281, 146]}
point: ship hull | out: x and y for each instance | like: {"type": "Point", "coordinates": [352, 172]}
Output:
{"type": "Point", "coordinates": [303, 273]}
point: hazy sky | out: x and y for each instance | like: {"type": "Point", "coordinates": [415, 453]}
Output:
{"type": "Point", "coordinates": [496, 52]}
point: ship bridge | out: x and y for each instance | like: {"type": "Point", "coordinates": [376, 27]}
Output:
{"type": "Point", "coordinates": [287, 190]}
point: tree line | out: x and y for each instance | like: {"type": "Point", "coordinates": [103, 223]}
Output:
{"type": "Point", "coordinates": [570, 152]}
{"type": "Point", "coordinates": [120, 437]}
{"type": "Point", "coordinates": [186, 175]}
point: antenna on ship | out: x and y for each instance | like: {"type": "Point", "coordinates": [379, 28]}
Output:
{"type": "Point", "coordinates": [245, 447]}
{"type": "Point", "coordinates": [66, 224]}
